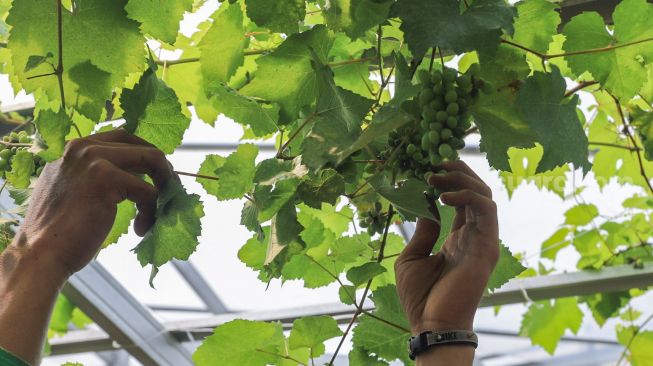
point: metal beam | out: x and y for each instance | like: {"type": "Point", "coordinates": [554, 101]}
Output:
{"type": "Point", "coordinates": [202, 288]}
{"type": "Point", "coordinates": [125, 320]}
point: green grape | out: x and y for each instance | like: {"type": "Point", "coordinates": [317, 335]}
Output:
{"type": "Point", "coordinates": [14, 150]}
{"type": "Point", "coordinates": [424, 124]}
{"type": "Point", "coordinates": [465, 124]}
{"type": "Point", "coordinates": [462, 102]}
{"type": "Point", "coordinates": [434, 137]}
{"type": "Point", "coordinates": [423, 76]}
{"type": "Point", "coordinates": [411, 149]}
{"type": "Point", "coordinates": [436, 77]}
{"type": "Point", "coordinates": [24, 139]}
{"type": "Point", "coordinates": [426, 142]}
{"type": "Point", "coordinates": [4, 164]}
{"type": "Point", "coordinates": [437, 104]}
{"type": "Point", "coordinates": [14, 136]}
{"type": "Point", "coordinates": [435, 159]}
{"type": "Point", "coordinates": [436, 126]}
{"type": "Point", "coordinates": [445, 134]}
{"type": "Point", "coordinates": [452, 122]}
{"type": "Point", "coordinates": [429, 114]}
{"type": "Point", "coordinates": [441, 116]}
{"type": "Point", "coordinates": [445, 151]}
{"type": "Point", "coordinates": [425, 97]}
{"type": "Point", "coordinates": [417, 156]}
{"type": "Point", "coordinates": [5, 154]}
{"type": "Point", "coordinates": [6, 138]}
{"type": "Point", "coordinates": [464, 81]}
{"type": "Point", "coordinates": [438, 89]}
{"type": "Point", "coordinates": [474, 69]}
{"type": "Point", "coordinates": [449, 75]}
{"type": "Point", "coordinates": [363, 224]}
{"type": "Point", "coordinates": [451, 96]}
{"type": "Point", "coordinates": [428, 175]}
{"type": "Point", "coordinates": [453, 109]}
{"type": "Point", "coordinates": [449, 87]}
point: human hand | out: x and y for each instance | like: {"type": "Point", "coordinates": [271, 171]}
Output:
{"type": "Point", "coordinates": [442, 291]}
{"type": "Point", "coordinates": [74, 203]}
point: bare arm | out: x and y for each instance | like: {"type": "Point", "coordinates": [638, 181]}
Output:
{"type": "Point", "coordinates": [442, 291]}
{"type": "Point", "coordinates": [71, 211]}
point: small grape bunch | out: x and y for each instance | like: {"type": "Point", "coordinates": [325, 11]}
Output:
{"type": "Point", "coordinates": [8, 151]}
{"type": "Point", "coordinates": [373, 219]}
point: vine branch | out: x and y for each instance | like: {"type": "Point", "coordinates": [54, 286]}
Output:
{"type": "Point", "coordinates": [618, 146]}
{"type": "Point", "coordinates": [287, 357]}
{"type": "Point", "coordinates": [546, 56]}
{"type": "Point", "coordinates": [580, 86]}
{"type": "Point", "coordinates": [630, 341]}
{"type": "Point", "coordinates": [196, 175]}
{"type": "Point", "coordinates": [59, 69]}
{"type": "Point", "coordinates": [292, 137]}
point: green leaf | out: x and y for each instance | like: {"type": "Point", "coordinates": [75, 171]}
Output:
{"type": "Point", "coordinates": [639, 344]}
{"type": "Point", "coordinates": [312, 331]}
{"type": "Point", "coordinates": [124, 215]}
{"type": "Point", "coordinates": [153, 112]}
{"type": "Point", "coordinates": [553, 119]}
{"type": "Point", "coordinates": [523, 167]}
{"type": "Point", "coordinates": [355, 17]}
{"type": "Point", "coordinates": [235, 173]}
{"type": "Point", "coordinates": [284, 229]}
{"type": "Point", "coordinates": [546, 322]}
{"type": "Point", "coordinates": [278, 16]}
{"type": "Point", "coordinates": [556, 242]}
{"type": "Point", "coordinates": [222, 47]}
{"type": "Point", "coordinates": [358, 356]}
{"type": "Point", "coordinates": [270, 199]}
{"type": "Point", "coordinates": [501, 127]}
{"type": "Point", "coordinates": [619, 69]}
{"type": "Point", "coordinates": [607, 305]}
{"type": "Point", "coordinates": [536, 24]}
{"type": "Point", "coordinates": [62, 313]}
{"type": "Point", "coordinates": [53, 128]}
{"type": "Point", "coordinates": [270, 171]}
{"type": "Point", "coordinates": [290, 62]}
{"type": "Point", "coordinates": [327, 187]}
{"type": "Point", "coordinates": [160, 19]}
{"type": "Point", "coordinates": [507, 268]}
{"type": "Point", "coordinates": [252, 254]}
{"type": "Point", "coordinates": [347, 294]}
{"type": "Point", "coordinates": [381, 339]}
{"type": "Point", "coordinates": [22, 168]}
{"type": "Point", "coordinates": [643, 122]}
{"type": "Point", "coordinates": [440, 23]}
{"type": "Point", "coordinates": [407, 197]}
{"type": "Point", "coordinates": [35, 60]}
{"type": "Point", "coordinates": [314, 276]}
{"type": "Point", "coordinates": [175, 232]}
{"type": "Point", "coordinates": [260, 117]}
{"type": "Point", "coordinates": [240, 342]}
{"type": "Point", "coordinates": [361, 274]}
{"type": "Point", "coordinates": [581, 214]}
{"type": "Point", "coordinates": [34, 32]}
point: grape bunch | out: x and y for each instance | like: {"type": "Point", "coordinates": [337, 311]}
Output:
{"type": "Point", "coordinates": [438, 133]}
{"type": "Point", "coordinates": [373, 219]}
{"type": "Point", "coordinates": [7, 152]}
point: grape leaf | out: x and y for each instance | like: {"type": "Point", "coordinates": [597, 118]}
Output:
{"type": "Point", "coordinates": [618, 69]}
{"type": "Point", "coordinates": [278, 16]}
{"type": "Point", "coordinates": [222, 47]}
{"type": "Point", "coordinates": [523, 166]}
{"type": "Point", "coordinates": [581, 214]}
{"type": "Point", "coordinates": [235, 173]}
{"type": "Point", "coordinates": [270, 171]}
{"type": "Point", "coordinates": [124, 215]}
{"type": "Point", "coordinates": [290, 62]}
{"type": "Point", "coordinates": [312, 273]}
{"type": "Point", "coordinates": [556, 242]}
{"type": "Point", "coordinates": [22, 167]}
{"type": "Point", "coordinates": [175, 232]}
{"type": "Point", "coordinates": [507, 268]}
{"type": "Point", "coordinates": [536, 23]}
{"type": "Point", "coordinates": [327, 187]}
{"type": "Point", "coordinates": [311, 332]}
{"type": "Point", "coordinates": [355, 17]}
{"type": "Point", "coordinates": [554, 120]}
{"type": "Point", "coordinates": [260, 117]}
{"type": "Point", "coordinates": [62, 314]}
{"type": "Point", "coordinates": [606, 305]}
{"type": "Point", "coordinates": [643, 122]}
{"type": "Point", "coordinates": [427, 23]}
{"type": "Point", "coordinates": [270, 199]}
{"type": "Point", "coordinates": [153, 112]}
{"type": "Point", "coordinates": [34, 32]}
{"type": "Point", "coordinates": [381, 339]}
{"type": "Point", "coordinates": [361, 274]}
{"type": "Point", "coordinates": [639, 344]}
{"type": "Point", "coordinates": [241, 342]}
{"type": "Point", "coordinates": [347, 294]}
{"type": "Point", "coordinates": [546, 322]}
{"type": "Point", "coordinates": [284, 228]}
{"type": "Point", "coordinates": [359, 357]}
{"type": "Point", "coordinates": [408, 197]}
{"type": "Point", "coordinates": [160, 19]}
{"type": "Point", "coordinates": [53, 128]}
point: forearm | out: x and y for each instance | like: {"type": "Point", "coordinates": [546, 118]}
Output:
{"type": "Point", "coordinates": [29, 284]}
{"type": "Point", "coordinates": [454, 355]}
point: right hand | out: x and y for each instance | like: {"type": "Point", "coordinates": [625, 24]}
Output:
{"type": "Point", "coordinates": [74, 203]}
{"type": "Point", "coordinates": [442, 291]}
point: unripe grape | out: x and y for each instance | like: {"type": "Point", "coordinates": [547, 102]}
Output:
{"type": "Point", "coordinates": [424, 124]}
{"type": "Point", "coordinates": [462, 102]}
{"type": "Point", "coordinates": [436, 77]}
{"type": "Point", "coordinates": [423, 76]}
{"type": "Point", "coordinates": [429, 114]}
{"type": "Point", "coordinates": [451, 96]}
{"type": "Point", "coordinates": [14, 150]}
{"type": "Point", "coordinates": [14, 136]}
{"type": "Point", "coordinates": [474, 69]}
{"type": "Point", "coordinates": [417, 156]}
{"type": "Point", "coordinates": [434, 137]}
{"type": "Point", "coordinates": [449, 75]}
{"type": "Point", "coordinates": [441, 116]}
{"type": "Point", "coordinates": [464, 81]}
{"type": "Point", "coordinates": [449, 87]}
{"type": "Point", "coordinates": [452, 122]}
{"type": "Point", "coordinates": [426, 142]}
{"type": "Point", "coordinates": [363, 224]}
{"type": "Point", "coordinates": [24, 139]}
{"type": "Point", "coordinates": [5, 154]}
{"type": "Point", "coordinates": [445, 135]}
{"type": "Point", "coordinates": [435, 159]}
{"type": "Point", "coordinates": [4, 164]}
{"type": "Point", "coordinates": [425, 97]}
{"type": "Point", "coordinates": [436, 126]}
{"type": "Point", "coordinates": [465, 124]}
{"type": "Point", "coordinates": [453, 109]}
{"type": "Point", "coordinates": [411, 149]}
{"type": "Point", "coordinates": [445, 150]}
{"type": "Point", "coordinates": [6, 138]}
{"type": "Point", "coordinates": [437, 104]}
{"type": "Point", "coordinates": [438, 89]}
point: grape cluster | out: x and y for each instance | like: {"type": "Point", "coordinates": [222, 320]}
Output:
{"type": "Point", "coordinates": [373, 219]}
{"type": "Point", "coordinates": [7, 152]}
{"type": "Point", "coordinates": [439, 132]}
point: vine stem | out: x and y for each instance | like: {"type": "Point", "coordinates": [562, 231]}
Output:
{"type": "Point", "coordinates": [14, 144]}
{"type": "Point", "coordinates": [379, 35]}
{"type": "Point", "coordinates": [546, 56]}
{"type": "Point", "coordinates": [367, 287]}
{"type": "Point", "coordinates": [196, 175]}
{"type": "Point", "coordinates": [287, 357]}
{"type": "Point", "coordinates": [292, 137]}
{"type": "Point", "coordinates": [580, 86]}
{"type": "Point", "coordinates": [626, 130]}
{"type": "Point", "coordinates": [59, 69]}
{"type": "Point", "coordinates": [630, 341]}
{"type": "Point", "coordinates": [609, 144]}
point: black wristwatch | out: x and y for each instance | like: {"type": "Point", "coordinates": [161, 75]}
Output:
{"type": "Point", "coordinates": [426, 340]}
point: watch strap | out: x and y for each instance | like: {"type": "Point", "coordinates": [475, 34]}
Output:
{"type": "Point", "coordinates": [428, 339]}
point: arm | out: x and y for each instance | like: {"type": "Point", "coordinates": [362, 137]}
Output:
{"type": "Point", "coordinates": [442, 291]}
{"type": "Point", "coordinates": [71, 211]}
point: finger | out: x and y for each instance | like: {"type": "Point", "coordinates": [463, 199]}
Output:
{"type": "Point", "coordinates": [133, 158]}
{"type": "Point", "coordinates": [459, 165]}
{"type": "Point", "coordinates": [126, 186]}
{"type": "Point", "coordinates": [460, 219]}
{"type": "Point", "coordinates": [421, 244]}
{"type": "Point", "coordinates": [484, 210]}
{"type": "Point", "coordinates": [457, 180]}
{"type": "Point", "coordinates": [119, 135]}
